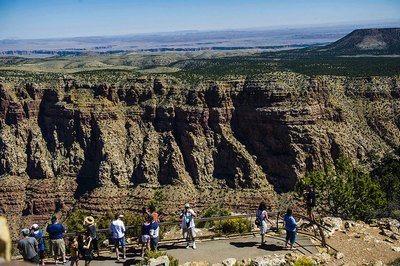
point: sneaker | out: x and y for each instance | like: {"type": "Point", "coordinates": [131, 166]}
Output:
{"type": "Point", "coordinates": [293, 248]}
{"type": "Point", "coordinates": [194, 246]}
{"type": "Point", "coordinates": [187, 246]}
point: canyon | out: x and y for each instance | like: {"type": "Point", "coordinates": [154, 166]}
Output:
{"type": "Point", "coordinates": [73, 141]}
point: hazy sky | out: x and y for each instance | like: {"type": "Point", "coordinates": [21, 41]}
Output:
{"type": "Point", "coordinates": [68, 18]}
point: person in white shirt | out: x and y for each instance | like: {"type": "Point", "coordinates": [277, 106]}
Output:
{"type": "Point", "coordinates": [154, 233]}
{"type": "Point", "coordinates": [188, 227]}
{"type": "Point", "coordinates": [117, 230]}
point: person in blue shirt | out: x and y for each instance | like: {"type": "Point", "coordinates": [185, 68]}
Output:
{"type": "Point", "coordinates": [290, 227]}
{"type": "Point", "coordinates": [154, 233]}
{"type": "Point", "coordinates": [57, 244]}
{"type": "Point", "coordinates": [38, 235]}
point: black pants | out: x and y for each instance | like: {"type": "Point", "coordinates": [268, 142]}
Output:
{"type": "Point", "coordinates": [154, 243]}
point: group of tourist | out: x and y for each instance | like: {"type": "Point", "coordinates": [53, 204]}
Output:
{"type": "Point", "coordinates": [290, 222]}
{"type": "Point", "coordinates": [32, 245]}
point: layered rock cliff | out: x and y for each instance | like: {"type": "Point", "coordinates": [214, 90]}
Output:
{"type": "Point", "coordinates": [111, 146]}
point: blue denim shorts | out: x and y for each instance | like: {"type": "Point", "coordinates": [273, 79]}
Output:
{"type": "Point", "coordinates": [119, 241]}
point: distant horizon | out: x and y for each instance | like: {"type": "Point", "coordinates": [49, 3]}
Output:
{"type": "Point", "coordinates": [357, 24]}
{"type": "Point", "coordinates": [47, 19]}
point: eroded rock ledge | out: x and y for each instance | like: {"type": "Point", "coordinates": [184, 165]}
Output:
{"type": "Point", "coordinates": [83, 144]}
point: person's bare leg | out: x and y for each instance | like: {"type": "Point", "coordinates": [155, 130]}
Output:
{"type": "Point", "coordinates": [117, 252]}
{"type": "Point", "coordinates": [124, 250]}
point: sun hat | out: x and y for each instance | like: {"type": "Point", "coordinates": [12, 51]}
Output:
{"type": "Point", "coordinates": [187, 205]}
{"type": "Point", "coordinates": [35, 227]}
{"type": "Point", "coordinates": [25, 232]}
{"type": "Point", "coordinates": [121, 216]}
{"type": "Point", "coordinates": [89, 220]}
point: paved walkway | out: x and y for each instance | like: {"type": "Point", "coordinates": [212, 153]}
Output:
{"type": "Point", "coordinates": [215, 251]}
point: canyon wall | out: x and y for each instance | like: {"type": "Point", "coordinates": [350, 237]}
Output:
{"type": "Point", "coordinates": [106, 147]}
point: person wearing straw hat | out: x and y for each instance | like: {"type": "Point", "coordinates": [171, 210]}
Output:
{"type": "Point", "coordinates": [91, 231]}
{"type": "Point", "coordinates": [117, 230]}
{"type": "Point", "coordinates": [38, 235]}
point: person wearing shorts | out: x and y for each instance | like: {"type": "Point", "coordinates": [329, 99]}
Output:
{"type": "Point", "coordinates": [188, 227]}
{"type": "Point", "coordinates": [145, 238]}
{"type": "Point", "coordinates": [57, 244]}
{"type": "Point", "coordinates": [117, 230]}
{"type": "Point", "coordinates": [262, 215]}
{"type": "Point", "coordinates": [290, 227]}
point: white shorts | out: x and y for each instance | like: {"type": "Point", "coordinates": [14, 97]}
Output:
{"type": "Point", "coordinates": [145, 238]}
{"type": "Point", "coordinates": [189, 232]}
{"type": "Point", "coordinates": [263, 228]}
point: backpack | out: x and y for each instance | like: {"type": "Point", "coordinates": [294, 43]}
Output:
{"type": "Point", "coordinates": [258, 220]}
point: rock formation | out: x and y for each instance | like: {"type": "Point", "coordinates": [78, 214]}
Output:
{"type": "Point", "coordinates": [103, 147]}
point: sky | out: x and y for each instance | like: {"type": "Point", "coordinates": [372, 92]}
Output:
{"type": "Point", "coordinates": [30, 19]}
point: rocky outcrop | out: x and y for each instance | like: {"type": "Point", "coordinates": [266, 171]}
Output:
{"type": "Point", "coordinates": [111, 146]}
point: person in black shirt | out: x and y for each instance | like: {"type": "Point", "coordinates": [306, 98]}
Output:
{"type": "Point", "coordinates": [91, 231]}
{"type": "Point", "coordinates": [310, 202]}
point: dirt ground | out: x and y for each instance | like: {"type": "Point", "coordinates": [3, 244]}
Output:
{"type": "Point", "coordinates": [364, 245]}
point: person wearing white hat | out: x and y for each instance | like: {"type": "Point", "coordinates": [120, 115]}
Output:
{"type": "Point", "coordinates": [38, 235]}
{"type": "Point", "coordinates": [188, 227]}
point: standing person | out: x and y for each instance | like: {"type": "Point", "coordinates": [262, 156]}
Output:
{"type": "Point", "coordinates": [88, 249]}
{"type": "Point", "coordinates": [91, 230]}
{"type": "Point", "coordinates": [262, 217]}
{"type": "Point", "coordinates": [80, 241]}
{"type": "Point", "coordinates": [28, 247]}
{"type": "Point", "coordinates": [117, 229]}
{"type": "Point", "coordinates": [154, 213]}
{"type": "Point", "coordinates": [310, 202]}
{"type": "Point", "coordinates": [73, 250]}
{"type": "Point", "coordinates": [38, 235]}
{"type": "Point", "coordinates": [146, 234]}
{"type": "Point", "coordinates": [188, 227]}
{"type": "Point", "coordinates": [290, 227]}
{"type": "Point", "coordinates": [154, 233]}
{"type": "Point", "coordinates": [57, 244]}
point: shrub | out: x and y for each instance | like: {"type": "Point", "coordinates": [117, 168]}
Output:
{"type": "Point", "coordinates": [74, 221]}
{"type": "Point", "coordinates": [213, 211]}
{"type": "Point", "coordinates": [303, 261]}
{"type": "Point", "coordinates": [346, 191]}
{"type": "Point", "coordinates": [235, 225]}
{"type": "Point", "coordinates": [155, 254]}
{"type": "Point", "coordinates": [388, 175]}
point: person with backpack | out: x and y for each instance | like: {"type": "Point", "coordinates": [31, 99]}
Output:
{"type": "Point", "coordinates": [92, 232]}
{"type": "Point", "coordinates": [261, 220]}
{"type": "Point", "coordinates": [38, 235]}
